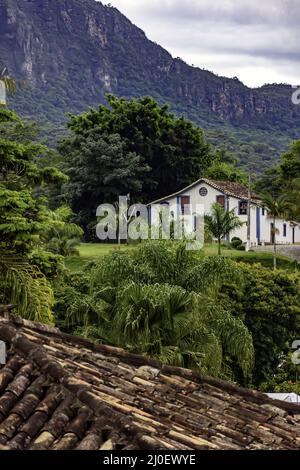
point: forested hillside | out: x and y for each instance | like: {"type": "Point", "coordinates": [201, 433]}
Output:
{"type": "Point", "coordinates": [71, 53]}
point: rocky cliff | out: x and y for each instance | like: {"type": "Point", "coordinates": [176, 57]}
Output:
{"type": "Point", "coordinates": [72, 52]}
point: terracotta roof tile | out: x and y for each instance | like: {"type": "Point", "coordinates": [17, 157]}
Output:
{"type": "Point", "coordinates": [229, 188]}
{"type": "Point", "coordinates": [62, 392]}
{"type": "Point", "coordinates": [232, 189]}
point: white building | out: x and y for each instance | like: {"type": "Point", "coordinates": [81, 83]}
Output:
{"type": "Point", "coordinates": [231, 196]}
{"type": "Point", "coordinates": [289, 397]}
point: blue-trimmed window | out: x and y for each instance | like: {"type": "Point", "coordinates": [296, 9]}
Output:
{"type": "Point", "coordinates": [284, 230]}
{"type": "Point", "coordinates": [243, 207]}
{"type": "Point", "coordinates": [185, 202]}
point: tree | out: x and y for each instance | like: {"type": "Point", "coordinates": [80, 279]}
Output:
{"type": "Point", "coordinates": [161, 300]}
{"type": "Point", "coordinates": [225, 172]}
{"type": "Point", "coordinates": [290, 179]}
{"type": "Point", "coordinates": [23, 218]}
{"type": "Point", "coordinates": [290, 164]}
{"type": "Point", "coordinates": [221, 222]}
{"type": "Point", "coordinates": [268, 302]}
{"type": "Point", "coordinates": [293, 197]}
{"type": "Point", "coordinates": [277, 207]}
{"type": "Point", "coordinates": [178, 327]}
{"type": "Point", "coordinates": [270, 182]}
{"type": "Point", "coordinates": [285, 378]}
{"type": "Point", "coordinates": [283, 180]}
{"type": "Point", "coordinates": [100, 170]}
{"type": "Point", "coordinates": [169, 152]}
{"type": "Point", "coordinates": [224, 168]}
{"type": "Point", "coordinates": [62, 236]}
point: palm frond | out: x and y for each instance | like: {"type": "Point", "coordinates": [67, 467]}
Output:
{"type": "Point", "coordinates": [25, 286]}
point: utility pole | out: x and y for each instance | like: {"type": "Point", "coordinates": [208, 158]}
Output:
{"type": "Point", "coordinates": [248, 246]}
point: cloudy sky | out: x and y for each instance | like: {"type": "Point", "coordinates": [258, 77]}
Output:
{"type": "Point", "coordinates": [258, 41]}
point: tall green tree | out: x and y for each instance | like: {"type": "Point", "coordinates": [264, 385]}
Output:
{"type": "Point", "coordinates": [23, 219]}
{"type": "Point", "coordinates": [290, 179]}
{"type": "Point", "coordinates": [290, 164]}
{"type": "Point", "coordinates": [172, 149]}
{"type": "Point", "coordinates": [224, 168]}
{"type": "Point", "coordinates": [283, 178]}
{"type": "Point", "coordinates": [221, 223]}
{"type": "Point", "coordinates": [293, 196]}
{"type": "Point", "coordinates": [100, 170]}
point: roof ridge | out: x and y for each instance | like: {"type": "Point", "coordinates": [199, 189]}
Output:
{"type": "Point", "coordinates": [216, 184]}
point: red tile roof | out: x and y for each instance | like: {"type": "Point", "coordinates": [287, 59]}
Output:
{"type": "Point", "coordinates": [229, 188]}
{"type": "Point", "coordinates": [232, 188]}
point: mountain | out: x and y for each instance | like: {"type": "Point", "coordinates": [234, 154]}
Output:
{"type": "Point", "coordinates": [72, 52]}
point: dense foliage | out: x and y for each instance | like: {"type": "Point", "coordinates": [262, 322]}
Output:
{"type": "Point", "coordinates": [134, 147]}
{"type": "Point", "coordinates": [219, 317]}
{"type": "Point", "coordinates": [269, 304]}
{"type": "Point", "coordinates": [24, 221]}
{"type": "Point", "coordinates": [186, 309]}
{"type": "Point", "coordinates": [161, 301]}
{"type": "Point", "coordinates": [282, 182]}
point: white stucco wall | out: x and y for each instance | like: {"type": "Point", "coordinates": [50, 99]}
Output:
{"type": "Point", "coordinates": [297, 234]}
{"type": "Point", "coordinates": [280, 238]}
{"type": "Point", "coordinates": [233, 203]}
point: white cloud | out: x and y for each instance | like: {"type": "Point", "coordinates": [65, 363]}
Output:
{"type": "Point", "coordinates": [257, 41]}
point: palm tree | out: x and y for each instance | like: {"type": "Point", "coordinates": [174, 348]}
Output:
{"type": "Point", "coordinates": [161, 301]}
{"type": "Point", "coordinates": [277, 207]}
{"type": "Point", "coordinates": [63, 236]}
{"type": "Point", "coordinates": [221, 222]}
{"type": "Point", "coordinates": [180, 328]}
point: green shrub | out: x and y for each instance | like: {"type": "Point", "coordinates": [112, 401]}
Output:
{"type": "Point", "coordinates": [236, 243]}
{"type": "Point", "coordinates": [161, 300]}
{"type": "Point", "coordinates": [268, 302]}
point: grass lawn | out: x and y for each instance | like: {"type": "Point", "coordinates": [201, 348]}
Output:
{"type": "Point", "coordinates": [92, 251]}
{"type": "Point", "coordinates": [266, 259]}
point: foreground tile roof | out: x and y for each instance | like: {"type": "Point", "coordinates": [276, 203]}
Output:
{"type": "Point", "coordinates": [61, 392]}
